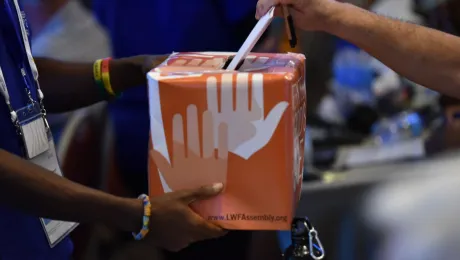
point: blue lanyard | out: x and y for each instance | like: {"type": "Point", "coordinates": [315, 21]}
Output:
{"type": "Point", "coordinates": [21, 31]}
{"type": "Point", "coordinates": [25, 67]}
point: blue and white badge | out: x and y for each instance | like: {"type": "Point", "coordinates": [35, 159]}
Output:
{"type": "Point", "coordinates": [55, 230]}
{"type": "Point", "coordinates": [31, 126]}
{"type": "Point", "coordinates": [32, 130]}
{"type": "Point", "coordinates": [39, 149]}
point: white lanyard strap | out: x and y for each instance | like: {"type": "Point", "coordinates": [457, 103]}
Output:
{"type": "Point", "coordinates": [6, 96]}
{"type": "Point", "coordinates": [25, 40]}
{"type": "Point", "coordinates": [33, 67]}
{"type": "Point", "coordinates": [3, 88]}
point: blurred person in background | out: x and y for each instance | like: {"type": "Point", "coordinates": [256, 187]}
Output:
{"type": "Point", "coordinates": [35, 200]}
{"type": "Point", "coordinates": [400, 9]}
{"type": "Point", "coordinates": [420, 217]}
{"type": "Point", "coordinates": [441, 15]}
{"type": "Point", "coordinates": [417, 217]}
{"type": "Point", "coordinates": [65, 30]}
{"type": "Point", "coordinates": [154, 26]}
{"type": "Point", "coordinates": [359, 96]}
{"type": "Point", "coordinates": [425, 56]}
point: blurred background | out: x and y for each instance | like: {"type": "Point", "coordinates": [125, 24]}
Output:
{"type": "Point", "coordinates": [381, 151]}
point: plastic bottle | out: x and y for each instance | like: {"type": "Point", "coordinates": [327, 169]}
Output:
{"type": "Point", "coordinates": [401, 127]}
{"type": "Point", "coordinates": [353, 77]}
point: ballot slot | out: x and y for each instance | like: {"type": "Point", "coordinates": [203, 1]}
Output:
{"type": "Point", "coordinates": [252, 39]}
{"type": "Point", "coordinates": [230, 60]}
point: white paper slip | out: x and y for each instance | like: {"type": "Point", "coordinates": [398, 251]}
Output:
{"type": "Point", "coordinates": [252, 39]}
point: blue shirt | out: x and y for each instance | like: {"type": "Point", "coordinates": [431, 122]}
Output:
{"type": "Point", "coordinates": [21, 236]}
{"type": "Point", "coordinates": [161, 27]}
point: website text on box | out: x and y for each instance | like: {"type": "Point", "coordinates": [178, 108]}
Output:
{"type": "Point", "coordinates": [236, 217]}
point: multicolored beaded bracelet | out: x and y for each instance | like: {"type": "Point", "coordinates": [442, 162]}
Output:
{"type": "Point", "coordinates": [145, 219]}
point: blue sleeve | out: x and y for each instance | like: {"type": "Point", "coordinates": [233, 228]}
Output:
{"type": "Point", "coordinates": [100, 9]}
{"type": "Point", "coordinates": [237, 10]}
{"type": "Point", "coordinates": [284, 240]}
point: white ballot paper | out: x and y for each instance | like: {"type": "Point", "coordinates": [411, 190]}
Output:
{"type": "Point", "coordinates": [252, 39]}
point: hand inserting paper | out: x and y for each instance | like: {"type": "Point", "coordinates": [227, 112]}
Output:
{"type": "Point", "coordinates": [248, 128]}
{"type": "Point", "coordinates": [189, 168]}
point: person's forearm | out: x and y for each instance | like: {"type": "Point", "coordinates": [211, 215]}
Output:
{"type": "Point", "coordinates": [34, 190]}
{"type": "Point", "coordinates": [68, 86]}
{"type": "Point", "coordinates": [428, 57]}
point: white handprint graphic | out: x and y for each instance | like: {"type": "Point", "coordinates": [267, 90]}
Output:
{"type": "Point", "coordinates": [248, 130]}
{"type": "Point", "coordinates": [189, 167]}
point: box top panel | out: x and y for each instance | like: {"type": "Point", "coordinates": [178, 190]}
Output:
{"type": "Point", "coordinates": [212, 62]}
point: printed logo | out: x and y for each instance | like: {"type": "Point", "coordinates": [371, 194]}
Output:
{"type": "Point", "coordinates": [26, 24]}
{"type": "Point", "coordinates": [248, 128]}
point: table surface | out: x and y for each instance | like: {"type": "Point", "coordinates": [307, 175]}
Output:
{"type": "Point", "coordinates": [318, 197]}
{"type": "Point", "coordinates": [335, 209]}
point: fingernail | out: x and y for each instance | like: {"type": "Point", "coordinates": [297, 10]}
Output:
{"type": "Point", "coordinates": [217, 187]}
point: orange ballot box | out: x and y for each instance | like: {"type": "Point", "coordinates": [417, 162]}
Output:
{"type": "Point", "coordinates": [244, 128]}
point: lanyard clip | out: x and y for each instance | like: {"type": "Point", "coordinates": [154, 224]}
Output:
{"type": "Point", "coordinates": [305, 241]}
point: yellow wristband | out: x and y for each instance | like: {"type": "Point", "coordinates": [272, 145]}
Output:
{"type": "Point", "coordinates": [97, 70]}
{"type": "Point", "coordinates": [97, 74]}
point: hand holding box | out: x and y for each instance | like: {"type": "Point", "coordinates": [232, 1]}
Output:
{"type": "Point", "coordinates": [244, 128]}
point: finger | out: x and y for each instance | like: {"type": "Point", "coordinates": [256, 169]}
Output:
{"type": "Point", "coordinates": [264, 5]}
{"type": "Point", "coordinates": [222, 151]}
{"type": "Point", "coordinates": [178, 138]}
{"type": "Point", "coordinates": [158, 59]}
{"type": "Point", "coordinates": [205, 192]}
{"type": "Point", "coordinates": [178, 244]}
{"type": "Point", "coordinates": [295, 12]}
{"type": "Point", "coordinates": [258, 92]}
{"type": "Point", "coordinates": [208, 135]}
{"type": "Point", "coordinates": [242, 92]}
{"type": "Point", "coordinates": [206, 230]}
{"type": "Point", "coordinates": [227, 92]}
{"type": "Point", "coordinates": [278, 12]}
{"type": "Point", "coordinates": [202, 229]}
{"type": "Point", "coordinates": [211, 93]}
{"type": "Point", "coordinates": [193, 138]}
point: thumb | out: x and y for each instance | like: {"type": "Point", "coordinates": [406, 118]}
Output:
{"type": "Point", "coordinates": [202, 193]}
{"type": "Point", "coordinates": [156, 60]}
{"type": "Point", "coordinates": [263, 6]}
{"type": "Point", "coordinates": [152, 61]}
